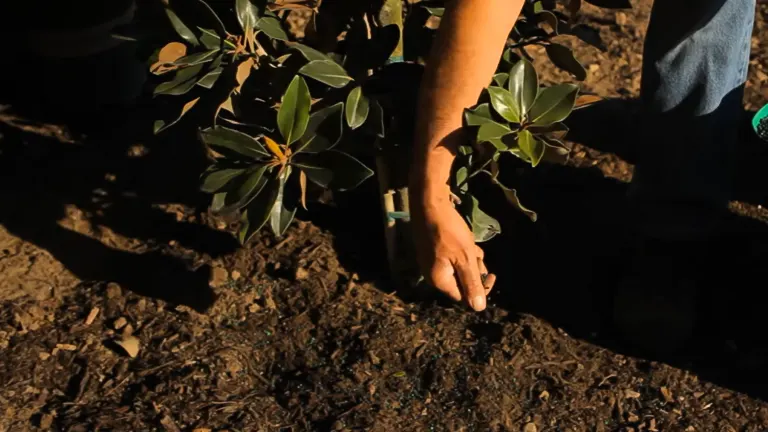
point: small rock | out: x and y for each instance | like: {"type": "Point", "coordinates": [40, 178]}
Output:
{"type": "Point", "coordinates": [113, 290]}
{"type": "Point", "coordinates": [46, 421]}
{"type": "Point", "coordinates": [530, 427]}
{"type": "Point", "coordinates": [44, 356]}
{"type": "Point", "coordinates": [130, 345]}
{"type": "Point", "coordinates": [219, 277]}
{"type": "Point", "coordinates": [621, 18]}
{"type": "Point", "coordinates": [66, 347]}
{"type": "Point", "coordinates": [119, 323]}
{"type": "Point", "coordinates": [235, 275]}
{"type": "Point", "coordinates": [128, 330]}
{"type": "Point", "coordinates": [301, 273]}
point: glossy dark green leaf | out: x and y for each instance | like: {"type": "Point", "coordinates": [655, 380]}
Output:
{"type": "Point", "coordinates": [197, 58]}
{"type": "Point", "coordinates": [181, 83]}
{"type": "Point", "coordinates": [530, 146]}
{"type": "Point", "coordinates": [554, 104]}
{"type": "Point", "coordinates": [283, 211]}
{"type": "Point", "coordinates": [509, 59]}
{"type": "Point", "coordinates": [357, 108]}
{"type": "Point", "coordinates": [504, 104]}
{"type": "Point", "coordinates": [555, 130]}
{"type": "Point", "coordinates": [215, 180]}
{"type": "Point", "coordinates": [375, 123]}
{"type": "Point", "coordinates": [245, 187]}
{"type": "Point", "coordinates": [248, 14]}
{"type": "Point", "coordinates": [554, 150]}
{"type": "Point", "coordinates": [523, 85]}
{"type": "Point", "coordinates": [493, 133]}
{"type": "Point", "coordinates": [273, 28]}
{"type": "Point", "coordinates": [185, 32]}
{"type": "Point", "coordinates": [210, 39]}
{"type": "Point", "coordinates": [512, 198]}
{"type": "Point", "coordinates": [327, 72]}
{"type": "Point", "coordinates": [588, 35]}
{"type": "Point", "coordinates": [333, 169]}
{"type": "Point", "coordinates": [257, 213]}
{"type": "Point", "coordinates": [478, 115]}
{"type": "Point", "coordinates": [210, 78]}
{"type": "Point", "coordinates": [501, 79]}
{"type": "Point", "coordinates": [563, 58]}
{"type": "Point", "coordinates": [309, 53]}
{"type": "Point", "coordinates": [293, 116]}
{"type": "Point", "coordinates": [324, 130]}
{"type": "Point", "coordinates": [230, 139]}
{"type": "Point", "coordinates": [484, 227]}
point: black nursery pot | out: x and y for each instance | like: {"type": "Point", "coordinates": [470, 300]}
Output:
{"type": "Point", "coordinates": [67, 57]}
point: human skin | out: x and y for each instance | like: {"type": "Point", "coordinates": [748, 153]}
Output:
{"type": "Point", "coordinates": [465, 54]}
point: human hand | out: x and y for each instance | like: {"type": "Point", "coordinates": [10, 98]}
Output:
{"type": "Point", "coordinates": [449, 258]}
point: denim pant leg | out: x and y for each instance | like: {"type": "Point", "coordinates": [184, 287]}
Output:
{"type": "Point", "coordinates": [694, 66]}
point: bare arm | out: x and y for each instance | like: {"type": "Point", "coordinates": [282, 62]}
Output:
{"type": "Point", "coordinates": [467, 50]}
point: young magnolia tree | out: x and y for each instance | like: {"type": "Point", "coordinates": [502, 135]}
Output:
{"type": "Point", "coordinates": [281, 111]}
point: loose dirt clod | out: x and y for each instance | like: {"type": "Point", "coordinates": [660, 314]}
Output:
{"type": "Point", "coordinates": [219, 277]}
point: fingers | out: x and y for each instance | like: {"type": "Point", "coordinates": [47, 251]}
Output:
{"type": "Point", "coordinates": [443, 278]}
{"type": "Point", "coordinates": [469, 276]}
{"type": "Point", "coordinates": [488, 279]}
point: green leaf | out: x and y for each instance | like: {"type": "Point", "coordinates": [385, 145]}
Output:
{"type": "Point", "coordinates": [555, 130]}
{"type": "Point", "coordinates": [181, 28]}
{"type": "Point", "coordinates": [217, 179]}
{"type": "Point", "coordinates": [554, 104]}
{"type": "Point", "coordinates": [523, 85]}
{"type": "Point", "coordinates": [272, 27]}
{"type": "Point", "coordinates": [357, 108]}
{"type": "Point", "coordinates": [512, 198]}
{"type": "Point", "coordinates": [293, 116]}
{"type": "Point", "coordinates": [333, 169]}
{"type": "Point", "coordinates": [197, 58]}
{"type": "Point", "coordinates": [161, 125]}
{"type": "Point", "coordinates": [220, 137]}
{"type": "Point", "coordinates": [375, 122]}
{"type": "Point", "coordinates": [551, 19]}
{"type": "Point", "coordinates": [217, 203]}
{"type": "Point", "coordinates": [554, 150]}
{"type": "Point", "coordinates": [435, 11]}
{"type": "Point", "coordinates": [501, 79]}
{"type": "Point", "coordinates": [479, 115]}
{"type": "Point", "coordinates": [210, 79]}
{"type": "Point", "coordinates": [323, 130]}
{"type": "Point", "coordinates": [563, 58]}
{"type": "Point", "coordinates": [247, 14]}
{"type": "Point", "coordinates": [211, 40]}
{"type": "Point", "coordinates": [484, 227]}
{"type": "Point", "coordinates": [504, 104]}
{"type": "Point", "coordinates": [327, 72]}
{"type": "Point", "coordinates": [257, 213]}
{"type": "Point", "coordinates": [309, 53]}
{"type": "Point", "coordinates": [245, 188]}
{"type": "Point", "coordinates": [530, 146]}
{"type": "Point", "coordinates": [493, 133]}
{"type": "Point", "coordinates": [283, 211]}
{"type": "Point", "coordinates": [181, 83]}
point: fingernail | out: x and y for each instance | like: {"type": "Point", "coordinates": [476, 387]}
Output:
{"type": "Point", "coordinates": [477, 302]}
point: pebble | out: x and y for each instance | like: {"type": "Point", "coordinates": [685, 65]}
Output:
{"type": "Point", "coordinates": [113, 290]}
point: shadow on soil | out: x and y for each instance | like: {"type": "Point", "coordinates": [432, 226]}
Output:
{"type": "Point", "coordinates": [117, 175]}
{"type": "Point", "coordinates": [564, 267]}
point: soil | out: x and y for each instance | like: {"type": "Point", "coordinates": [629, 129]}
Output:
{"type": "Point", "coordinates": [105, 241]}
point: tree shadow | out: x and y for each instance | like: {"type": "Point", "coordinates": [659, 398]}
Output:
{"type": "Point", "coordinates": [117, 175]}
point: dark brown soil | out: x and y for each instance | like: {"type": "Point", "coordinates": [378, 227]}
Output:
{"type": "Point", "coordinates": [303, 333]}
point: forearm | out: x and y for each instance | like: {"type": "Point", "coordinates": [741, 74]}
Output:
{"type": "Point", "coordinates": [466, 52]}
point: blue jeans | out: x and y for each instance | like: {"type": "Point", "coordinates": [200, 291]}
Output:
{"type": "Point", "coordinates": [695, 64]}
